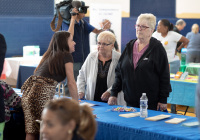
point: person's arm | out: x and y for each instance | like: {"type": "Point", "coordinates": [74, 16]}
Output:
{"type": "Point", "coordinates": [72, 22]}
{"type": "Point", "coordinates": [71, 81]}
{"type": "Point", "coordinates": [184, 41]}
{"type": "Point", "coordinates": [117, 86]}
{"type": "Point", "coordinates": [105, 96]}
{"type": "Point", "coordinates": [164, 78]}
{"type": "Point", "coordinates": [81, 82]}
{"type": "Point", "coordinates": [97, 31]}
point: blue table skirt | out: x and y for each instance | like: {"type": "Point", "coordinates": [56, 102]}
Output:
{"type": "Point", "coordinates": [183, 93]}
{"type": "Point", "coordinates": [24, 73]}
{"type": "Point", "coordinates": [110, 126]}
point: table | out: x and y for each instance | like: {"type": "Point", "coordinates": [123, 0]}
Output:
{"type": "Point", "coordinates": [193, 68]}
{"type": "Point", "coordinates": [13, 64]}
{"type": "Point", "coordinates": [25, 71]}
{"type": "Point", "coordinates": [183, 93]}
{"type": "Point", "coordinates": [112, 127]}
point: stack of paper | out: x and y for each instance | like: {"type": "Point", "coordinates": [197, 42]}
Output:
{"type": "Point", "coordinates": [191, 124]}
{"type": "Point", "coordinates": [129, 115]}
{"type": "Point", "coordinates": [159, 117]}
{"type": "Point", "coordinates": [176, 120]}
{"type": "Point", "coordinates": [86, 103]}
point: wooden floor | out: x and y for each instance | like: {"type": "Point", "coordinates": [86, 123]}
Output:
{"type": "Point", "coordinates": [181, 110]}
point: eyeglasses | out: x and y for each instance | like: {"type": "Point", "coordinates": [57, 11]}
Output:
{"type": "Point", "coordinates": [142, 27]}
{"type": "Point", "coordinates": [103, 44]}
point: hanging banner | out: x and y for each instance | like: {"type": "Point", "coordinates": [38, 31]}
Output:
{"type": "Point", "coordinates": [187, 9]}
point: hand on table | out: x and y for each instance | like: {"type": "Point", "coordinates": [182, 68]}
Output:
{"type": "Point", "coordinates": [105, 96]}
{"type": "Point", "coordinates": [81, 95]}
{"type": "Point", "coordinates": [161, 106]}
{"type": "Point", "coordinates": [112, 100]}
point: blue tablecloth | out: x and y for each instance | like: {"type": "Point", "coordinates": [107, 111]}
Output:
{"type": "Point", "coordinates": [113, 127]}
{"type": "Point", "coordinates": [183, 93]}
{"type": "Point", "coordinates": [25, 71]}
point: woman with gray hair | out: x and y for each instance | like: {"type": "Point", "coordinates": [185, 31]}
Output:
{"type": "Point", "coordinates": [97, 74]}
{"type": "Point", "coordinates": [193, 48]}
{"type": "Point", "coordinates": [143, 68]}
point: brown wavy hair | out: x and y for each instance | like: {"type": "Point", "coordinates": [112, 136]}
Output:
{"type": "Point", "coordinates": [68, 109]}
{"type": "Point", "coordinates": [58, 47]}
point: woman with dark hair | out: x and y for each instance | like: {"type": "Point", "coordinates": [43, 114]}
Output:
{"type": "Point", "coordinates": [65, 119]}
{"type": "Point", "coordinates": [169, 39]}
{"type": "Point", "coordinates": [55, 66]}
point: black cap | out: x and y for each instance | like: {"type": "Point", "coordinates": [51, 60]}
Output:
{"type": "Point", "coordinates": [83, 4]}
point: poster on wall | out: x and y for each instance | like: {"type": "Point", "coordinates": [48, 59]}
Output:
{"type": "Point", "coordinates": [187, 8]}
{"type": "Point", "coordinates": [124, 4]}
{"type": "Point", "coordinates": [103, 12]}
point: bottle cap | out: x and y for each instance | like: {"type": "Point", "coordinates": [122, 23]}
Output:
{"type": "Point", "coordinates": [143, 93]}
{"type": "Point", "coordinates": [184, 50]}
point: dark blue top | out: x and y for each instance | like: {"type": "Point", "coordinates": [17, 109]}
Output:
{"type": "Point", "coordinates": [81, 37]}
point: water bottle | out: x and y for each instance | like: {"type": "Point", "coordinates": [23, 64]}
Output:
{"type": "Point", "coordinates": [143, 106]}
{"type": "Point", "coordinates": [183, 56]}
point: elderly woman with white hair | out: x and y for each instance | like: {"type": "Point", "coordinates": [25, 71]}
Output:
{"type": "Point", "coordinates": [97, 74]}
{"type": "Point", "coordinates": [193, 47]}
{"type": "Point", "coordinates": [143, 68]}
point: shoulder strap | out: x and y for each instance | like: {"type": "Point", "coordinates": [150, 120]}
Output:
{"type": "Point", "coordinates": [60, 19]}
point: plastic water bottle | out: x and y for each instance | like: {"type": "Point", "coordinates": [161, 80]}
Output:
{"type": "Point", "coordinates": [183, 56]}
{"type": "Point", "coordinates": [143, 106]}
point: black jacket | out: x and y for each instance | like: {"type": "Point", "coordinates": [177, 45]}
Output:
{"type": "Point", "coordinates": [175, 29]}
{"type": "Point", "coordinates": [151, 75]}
{"type": "Point", "coordinates": [2, 51]}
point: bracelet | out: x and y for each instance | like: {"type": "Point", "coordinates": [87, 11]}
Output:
{"type": "Point", "coordinates": [178, 50]}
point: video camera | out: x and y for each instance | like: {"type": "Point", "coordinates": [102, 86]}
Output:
{"type": "Point", "coordinates": [65, 8]}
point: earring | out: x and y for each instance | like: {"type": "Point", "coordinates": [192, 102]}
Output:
{"type": "Point", "coordinates": [69, 131]}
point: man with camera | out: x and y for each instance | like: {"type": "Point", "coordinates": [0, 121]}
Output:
{"type": "Point", "coordinates": [80, 29]}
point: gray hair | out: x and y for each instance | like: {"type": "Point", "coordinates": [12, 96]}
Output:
{"type": "Point", "coordinates": [150, 18]}
{"type": "Point", "coordinates": [180, 22]}
{"type": "Point", "coordinates": [195, 28]}
{"type": "Point", "coordinates": [106, 36]}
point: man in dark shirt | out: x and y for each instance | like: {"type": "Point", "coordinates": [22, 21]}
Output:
{"type": "Point", "coordinates": [180, 25]}
{"type": "Point", "coordinates": [106, 25]}
{"type": "Point", "coordinates": [80, 30]}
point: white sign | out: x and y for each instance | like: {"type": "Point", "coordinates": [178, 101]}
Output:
{"type": "Point", "coordinates": [99, 12]}
{"type": "Point", "coordinates": [187, 9]}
